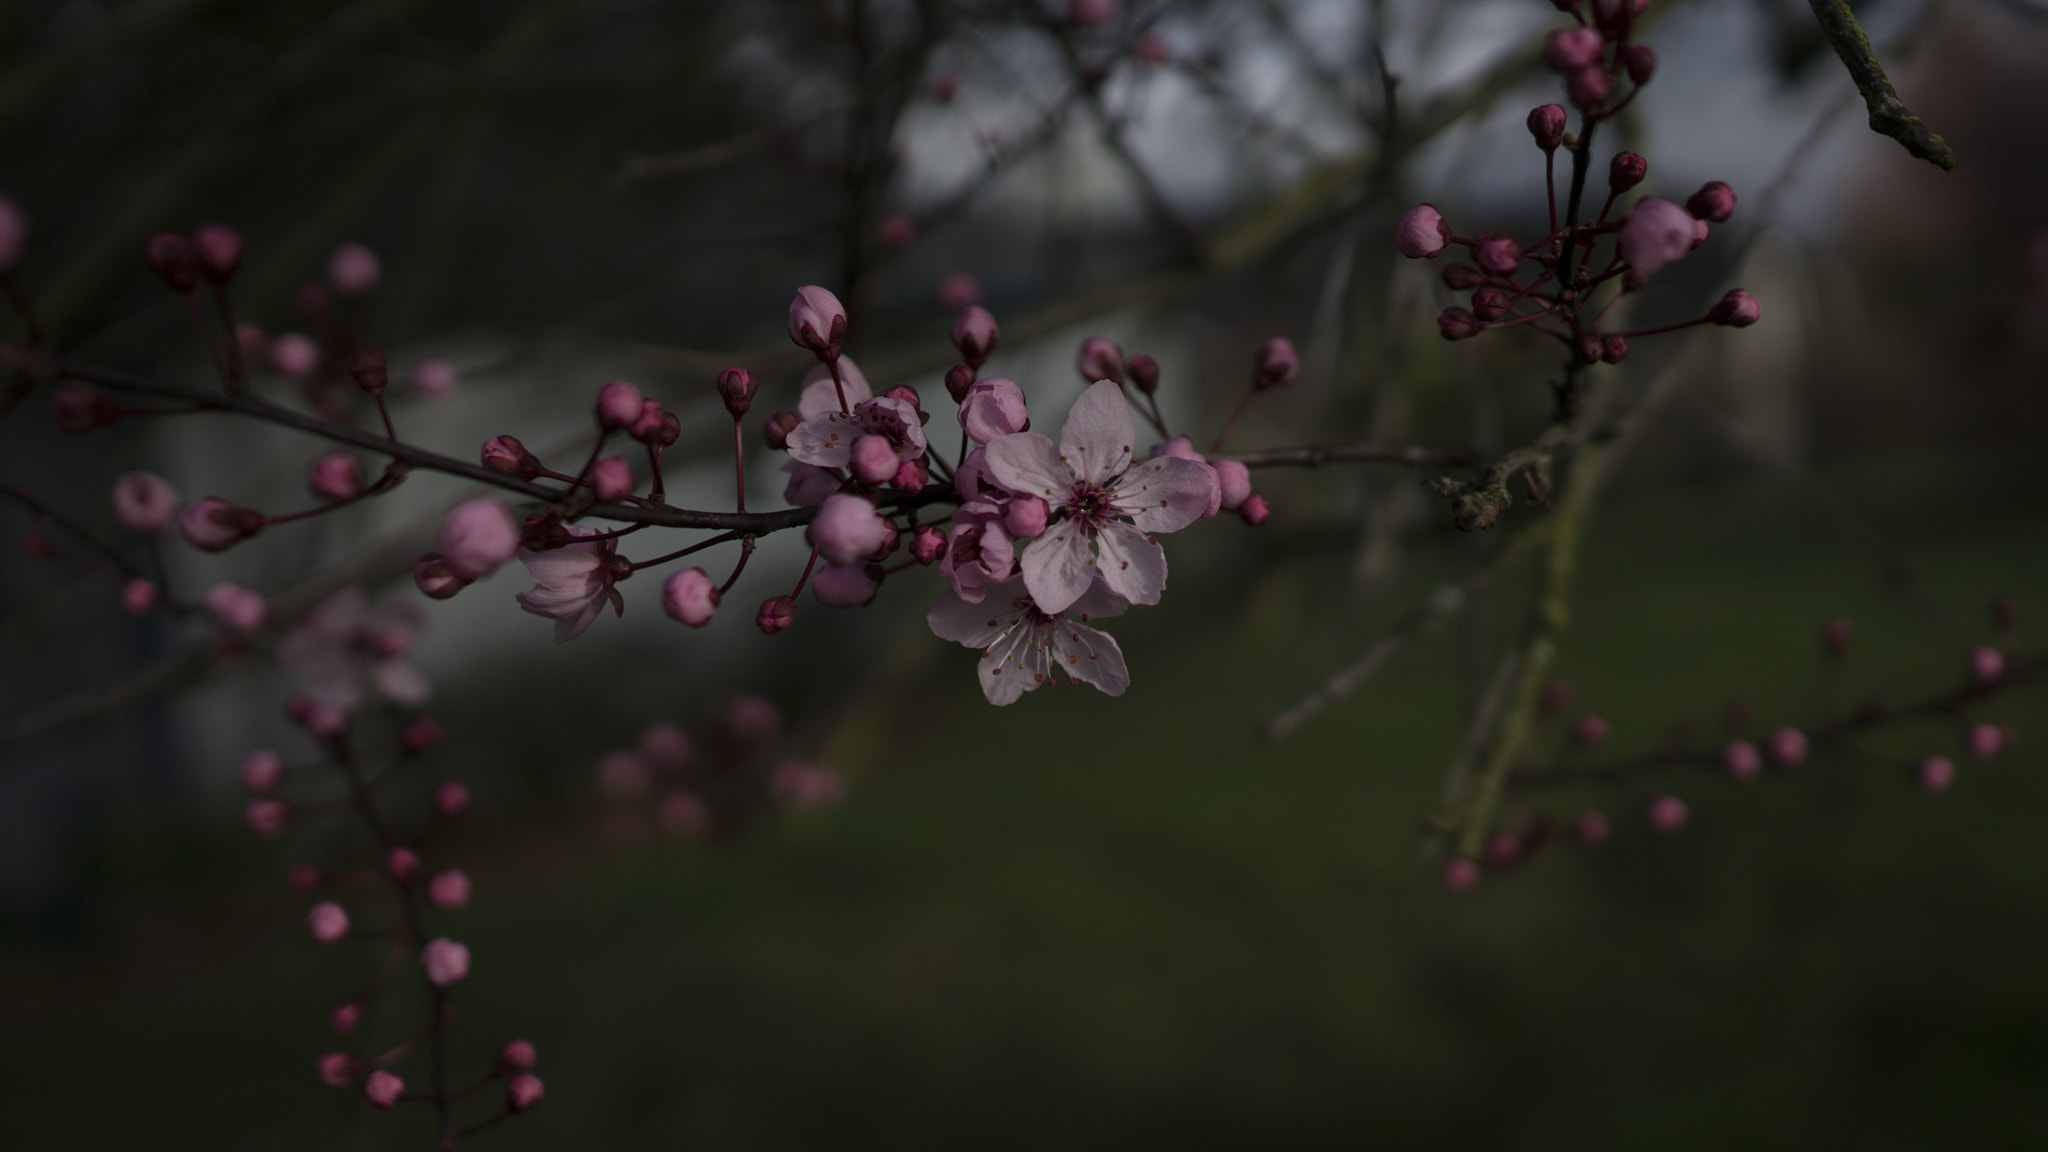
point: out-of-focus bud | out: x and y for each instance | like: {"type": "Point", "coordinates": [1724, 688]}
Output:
{"type": "Point", "coordinates": [1738, 309]}
{"type": "Point", "coordinates": [1589, 86]}
{"type": "Point", "coordinates": [1143, 373]}
{"type": "Point", "coordinates": [1461, 277]}
{"type": "Point", "coordinates": [1275, 363]}
{"type": "Point", "coordinates": [817, 321]}
{"type": "Point", "coordinates": [1489, 303]}
{"type": "Point", "coordinates": [1714, 202]}
{"type": "Point", "coordinates": [1626, 171]}
{"type": "Point", "coordinates": [1613, 349]}
{"type": "Point", "coordinates": [618, 405]}
{"type": "Point", "coordinates": [1786, 748]}
{"type": "Point", "coordinates": [1234, 482]}
{"type": "Point", "coordinates": [1422, 233]}
{"type": "Point", "coordinates": [335, 476]}
{"type": "Point", "coordinates": [1985, 740]}
{"type": "Point", "coordinates": [13, 234]}
{"type": "Point", "coordinates": [338, 1069]}
{"type": "Point", "coordinates": [1546, 124]}
{"type": "Point", "coordinates": [402, 863]}
{"type": "Point", "coordinates": [144, 501]}
{"type": "Point", "coordinates": [518, 1056]}
{"type": "Point", "coordinates": [446, 962]}
{"type": "Point", "coordinates": [611, 478]}
{"type": "Point", "coordinates": [267, 817]}
{"type": "Point", "coordinates": [974, 334]}
{"type": "Point", "coordinates": [1589, 731]}
{"type": "Point", "coordinates": [214, 525]}
{"type": "Point", "coordinates": [1935, 773]}
{"type": "Point", "coordinates": [1641, 62]}
{"type": "Point", "coordinates": [1498, 255]}
{"type": "Point", "coordinates": [478, 536]}
{"type": "Point", "coordinates": [171, 257]}
{"type": "Point", "coordinates": [328, 922]}
{"type": "Point", "coordinates": [507, 455]}
{"type": "Point", "coordinates": [1657, 233]}
{"type": "Point", "coordinates": [689, 597]}
{"type": "Point", "coordinates": [1459, 324]}
{"type": "Point", "coordinates": [1590, 347]}
{"type": "Point", "coordinates": [437, 578]}
{"type": "Point", "coordinates": [1100, 359]}
{"type": "Point", "coordinates": [1503, 850]}
{"type": "Point", "coordinates": [353, 270]}
{"type": "Point", "coordinates": [1668, 814]}
{"type": "Point", "coordinates": [1987, 665]}
{"type": "Point", "coordinates": [346, 1016]}
{"type": "Point", "coordinates": [959, 381]}
{"type": "Point", "coordinates": [928, 544]}
{"type": "Point", "coordinates": [1835, 636]}
{"type": "Point", "coordinates": [776, 614]}
{"type": "Point", "coordinates": [449, 889]}
{"type": "Point", "coordinates": [435, 377]}
{"type": "Point", "coordinates": [451, 798]}
{"type": "Point", "coordinates": [261, 770]}
{"type": "Point", "coordinates": [897, 231]}
{"type": "Point", "coordinates": [1254, 510]}
{"type": "Point", "coordinates": [81, 408]}
{"type": "Point", "coordinates": [295, 355]}
{"type": "Point", "coordinates": [736, 387]}
{"type": "Point", "coordinates": [1461, 875]}
{"type": "Point", "coordinates": [383, 1088]}
{"type": "Point", "coordinates": [523, 1092]}
{"type": "Point", "coordinates": [367, 366]}
{"type": "Point", "coordinates": [957, 290]}
{"type": "Point", "coordinates": [138, 596]}
{"type": "Point", "coordinates": [219, 252]}
{"type": "Point", "coordinates": [1554, 697]}
{"type": "Point", "coordinates": [419, 736]}
{"type": "Point", "coordinates": [911, 476]}
{"type": "Point", "coordinates": [1741, 759]}
{"type": "Point", "coordinates": [776, 432]}
{"type": "Point", "coordinates": [1573, 49]}
{"type": "Point", "coordinates": [647, 426]}
{"type": "Point", "coordinates": [873, 459]}
{"type": "Point", "coordinates": [1591, 828]}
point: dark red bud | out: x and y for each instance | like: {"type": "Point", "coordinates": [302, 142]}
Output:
{"type": "Point", "coordinates": [367, 366]}
{"type": "Point", "coordinates": [1143, 372]}
{"type": "Point", "coordinates": [1459, 324]}
{"type": "Point", "coordinates": [1626, 171]}
{"type": "Point", "coordinates": [1613, 350]}
{"type": "Point", "coordinates": [1489, 303]}
{"type": "Point", "coordinates": [736, 386]}
{"type": "Point", "coordinates": [776, 431]}
{"type": "Point", "coordinates": [959, 378]}
{"type": "Point", "coordinates": [1641, 63]}
{"type": "Point", "coordinates": [1461, 277]}
{"type": "Point", "coordinates": [171, 257]}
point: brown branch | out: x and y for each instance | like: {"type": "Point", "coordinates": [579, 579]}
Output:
{"type": "Point", "coordinates": [1889, 115]}
{"type": "Point", "coordinates": [1370, 452]}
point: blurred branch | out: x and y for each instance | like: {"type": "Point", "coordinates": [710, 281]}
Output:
{"type": "Point", "coordinates": [705, 157]}
{"type": "Point", "coordinates": [1371, 452]}
{"type": "Point", "coordinates": [1889, 115]}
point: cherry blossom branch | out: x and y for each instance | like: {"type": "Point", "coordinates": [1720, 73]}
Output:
{"type": "Point", "coordinates": [1889, 115]}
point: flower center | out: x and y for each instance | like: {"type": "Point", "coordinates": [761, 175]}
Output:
{"type": "Point", "coordinates": [1089, 505]}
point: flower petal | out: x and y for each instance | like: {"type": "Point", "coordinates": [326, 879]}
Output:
{"type": "Point", "coordinates": [825, 440]}
{"type": "Point", "coordinates": [1096, 441]}
{"type": "Point", "coordinates": [976, 625]}
{"type": "Point", "coordinates": [1015, 664]}
{"type": "Point", "coordinates": [820, 396]}
{"type": "Point", "coordinates": [400, 682]}
{"type": "Point", "coordinates": [1098, 603]}
{"type": "Point", "coordinates": [1132, 564]}
{"type": "Point", "coordinates": [1059, 566]}
{"type": "Point", "coordinates": [1167, 493]}
{"type": "Point", "coordinates": [1084, 653]}
{"type": "Point", "coordinates": [1029, 463]}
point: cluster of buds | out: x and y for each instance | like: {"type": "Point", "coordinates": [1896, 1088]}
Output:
{"type": "Point", "coordinates": [719, 782]}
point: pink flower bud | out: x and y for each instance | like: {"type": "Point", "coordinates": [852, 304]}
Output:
{"type": "Point", "coordinates": [419, 736]}
{"type": "Point", "coordinates": [1459, 324]}
{"type": "Point", "coordinates": [1738, 309]}
{"type": "Point", "coordinates": [518, 1056]}
{"type": "Point", "coordinates": [1461, 875]}
{"type": "Point", "coordinates": [1503, 850]}
{"type": "Point", "coordinates": [304, 877]}
{"type": "Point", "coordinates": [957, 290]}
{"type": "Point", "coordinates": [434, 377]}
{"type": "Point", "coordinates": [897, 231]}
{"type": "Point", "coordinates": [144, 502]}
{"type": "Point", "coordinates": [1588, 87]}
{"type": "Point", "coordinates": [450, 798]}
{"type": "Point", "coordinates": [367, 367]}
{"type": "Point", "coordinates": [1657, 233]}
{"type": "Point", "coordinates": [776, 614]}
{"type": "Point", "coordinates": [911, 477]}
{"type": "Point", "coordinates": [611, 478]}
{"type": "Point", "coordinates": [974, 334]}
{"type": "Point", "coordinates": [1613, 349]}
{"type": "Point", "coordinates": [446, 962]}
{"type": "Point", "coordinates": [383, 1088]}
{"type": "Point", "coordinates": [449, 889]}
{"type": "Point", "coordinates": [218, 251]}
{"type": "Point", "coordinates": [1422, 233]}
{"type": "Point", "coordinates": [214, 525]}
{"type": "Point", "coordinates": [402, 863]}
{"type": "Point", "coordinates": [959, 380]}
{"type": "Point", "coordinates": [1546, 124]}
{"type": "Point", "coordinates": [478, 536]}
{"type": "Point", "coordinates": [236, 607]}
{"type": "Point", "coordinates": [138, 596]}
{"type": "Point", "coordinates": [353, 270]}
{"type": "Point", "coordinates": [1741, 759]}
{"type": "Point", "coordinates": [261, 770]}
{"type": "Point", "coordinates": [13, 234]}
{"type": "Point", "coordinates": [1573, 49]}
{"type": "Point", "coordinates": [1461, 277]}
{"type": "Point", "coordinates": [1591, 828]}
{"type": "Point", "coordinates": [338, 1069]}
{"type": "Point", "coordinates": [1985, 740]}
{"type": "Point", "coordinates": [1641, 62]}
{"type": "Point", "coordinates": [523, 1092]}
{"type": "Point", "coordinates": [1489, 303]}
{"type": "Point", "coordinates": [736, 387]}
{"type": "Point", "coordinates": [995, 407]}
{"type": "Point", "coordinates": [1626, 171]}
{"type": "Point", "coordinates": [267, 817]}
{"type": "Point", "coordinates": [345, 1016]}
{"type": "Point", "coordinates": [171, 257]}
{"type": "Point", "coordinates": [1589, 731]}
{"type": "Point", "coordinates": [1235, 480]}
{"type": "Point", "coordinates": [618, 405]}
{"type": "Point", "coordinates": [328, 922]}
{"type": "Point", "coordinates": [928, 545]}
{"type": "Point", "coordinates": [1714, 202]}
{"type": "Point", "coordinates": [846, 530]}
{"type": "Point", "coordinates": [335, 476]}
{"type": "Point", "coordinates": [776, 432]}
{"type": "Point", "coordinates": [1025, 518]}
{"type": "Point", "coordinates": [873, 459]}
{"type": "Point", "coordinates": [507, 455]}
{"type": "Point", "coordinates": [1275, 364]}
{"type": "Point", "coordinates": [845, 587]}
{"type": "Point", "coordinates": [1099, 359]}
{"type": "Point", "coordinates": [689, 597]}
{"type": "Point", "coordinates": [1498, 255]}
{"type": "Point", "coordinates": [1668, 814]}
{"type": "Point", "coordinates": [1254, 510]}
{"type": "Point", "coordinates": [1987, 664]}
{"type": "Point", "coordinates": [1786, 747]}
{"type": "Point", "coordinates": [1143, 372]}
{"type": "Point", "coordinates": [295, 355]}
{"type": "Point", "coordinates": [817, 321]}
{"type": "Point", "coordinates": [437, 578]}
{"type": "Point", "coordinates": [81, 408]}
{"type": "Point", "coordinates": [1935, 773]}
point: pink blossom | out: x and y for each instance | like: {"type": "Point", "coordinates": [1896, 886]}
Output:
{"type": "Point", "coordinates": [801, 785]}
{"type": "Point", "coordinates": [618, 405]}
{"type": "Point", "coordinates": [1546, 124]}
{"type": "Point", "coordinates": [507, 455]}
{"type": "Point", "coordinates": [1234, 481]}
{"type": "Point", "coordinates": [1626, 171]}
{"type": "Point", "coordinates": [826, 436]}
{"type": "Point", "coordinates": [523, 1092]}
{"type": "Point", "coordinates": [138, 596]}
{"type": "Point", "coordinates": [808, 484]}
{"type": "Point", "coordinates": [1935, 773]}
{"type": "Point", "coordinates": [1668, 813]}
{"type": "Point", "coordinates": [1985, 740]}
{"type": "Point", "coordinates": [1786, 747]}
{"type": "Point", "coordinates": [144, 501]}
{"type": "Point", "coordinates": [1573, 49]}
{"type": "Point", "coordinates": [979, 552]}
{"type": "Point", "coordinates": [1101, 501]}
{"type": "Point", "coordinates": [844, 587]}
{"type": "Point", "coordinates": [449, 889]}
{"type": "Point", "coordinates": [1099, 359]}
{"type": "Point", "coordinates": [261, 770]}
{"type": "Point", "coordinates": [689, 597]}
{"type": "Point", "coordinates": [335, 476]}
{"type": "Point", "coordinates": [295, 355]}
{"type": "Point", "coordinates": [817, 321]}
{"type": "Point", "coordinates": [353, 270]}
{"type": "Point", "coordinates": [1183, 448]}
{"type": "Point", "coordinates": [236, 607]}
{"type": "Point", "coordinates": [974, 334]}
{"type": "Point", "coordinates": [214, 525]}
{"type": "Point", "coordinates": [611, 478]}
{"type": "Point", "coordinates": [1422, 233]}
{"type": "Point", "coordinates": [446, 961]}
{"type": "Point", "coordinates": [13, 234]}
{"type": "Point", "coordinates": [517, 1056]}
{"type": "Point", "coordinates": [267, 817]}
{"type": "Point", "coordinates": [478, 536]}
{"type": "Point", "coordinates": [346, 647]}
{"type": "Point", "coordinates": [1741, 759]}
{"type": "Point", "coordinates": [572, 583]}
{"type": "Point", "coordinates": [1461, 875]}
{"type": "Point", "coordinates": [338, 1069]}
{"type": "Point", "coordinates": [345, 1016]}
{"type": "Point", "coordinates": [1656, 234]}
{"type": "Point", "coordinates": [451, 798]}
{"type": "Point", "coordinates": [328, 922]}
{"type": "Point", "coordinates": [1987, 664]}
{"type": "Point", "coordinates": [435, 377]}
{"type": "Point", "coordinates": [679, 813]}
{"type": "Point", "coordinates": [847, 530]}
{"type": "Point", "coordinates": [1022, 645]}
{"type": "Point", "coordinates": [957, 290]}
{"type": "Point", "coordinates": [993, 407]}
{"type": "Point", "coordinates": [383, 1088]}
{"type": "Point", "coordinates": [1275, 363]}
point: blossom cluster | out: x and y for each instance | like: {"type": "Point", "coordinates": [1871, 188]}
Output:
{"type": "Point", "coordinates": [717, 782]}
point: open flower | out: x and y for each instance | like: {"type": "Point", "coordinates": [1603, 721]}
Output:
{"type": "Point", "coordinates": [345, 646]}
{"type": "Point", "coordinates": [1021, 645]}
{"type": "Point", "coordinates": [571, 583]}
{"type": "Point", "coordinates": [826, 436]}
{"type": "Point", "coordinates": [1101, 500]}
